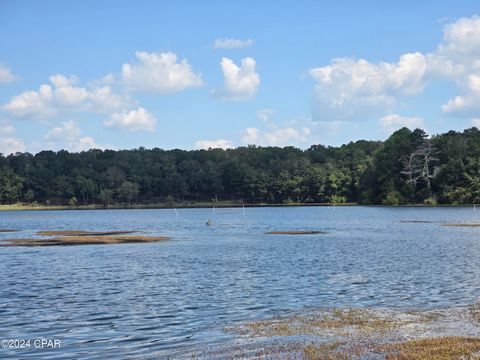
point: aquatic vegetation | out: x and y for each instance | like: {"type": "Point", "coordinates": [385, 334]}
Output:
{"type": "Point", "coordinates": [474, 313]}
{"type": "Point", "coordinates": [81, 233]}
{"type": "Point", "coordinates": [358, 333]}
{"type": "Point", "coordinates": [416, 222]}
{"type": "Point", "coordinates": [332, 351]}
{"type": "Point", "coordinates": [437, 348]}
{"type": "Point", "coordinates": [462, 225]}
{"type": "Point", "coordinates": [83, 240]}
{"type": "Point", "coordinates": [342, 320]}
{"type": "Point", "coordinates": [296, 232]}
{"type": "Point", "coordinates": [81, 237]}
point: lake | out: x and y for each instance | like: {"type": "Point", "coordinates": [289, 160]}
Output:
{"type": "Point", "coordinates": [175, 297]}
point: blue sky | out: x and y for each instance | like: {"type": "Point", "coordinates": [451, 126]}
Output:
{"type": "Point", "coordinates": [190, 74]}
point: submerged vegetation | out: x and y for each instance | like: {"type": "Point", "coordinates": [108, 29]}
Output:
{"type": "Point", "coordinates": [358, 333]}
{"type": "Point", "coordinates": [407, 168]}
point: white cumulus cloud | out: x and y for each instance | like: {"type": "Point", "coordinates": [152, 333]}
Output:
{"type": "Point", "coordinates": [214, 144]}
{"type": "Point", "coordinates": [468, 103]}
{"type": "Point", "coordinates": [461, 41]}
{"type": "Point", "coordinates": [277, 137]}
{"type": "Point", "coordinates": [392, 122]}
{"type": "Point", "coordinates": [475, 122]}
{"type": "Point", "coordinates": [132, 121]}
{"type": "Point", "coordinates": [9, 145]}
{"type": "Point", "coordinates": [7, 130]}
{"type": "Point", "coordinates": [348, 88]}
{"type": "Point", "coordinates": [67, 135]}
{"type": "Point", "coordinates": [160, 73]}
{"type": "Point", "coordinates": [6, 75]}
{"type": "Point", "coordinates": [461, 49]}
{"type": "Point", "coordinates": [250, 135]}
{"type": "Point", "coordinates": [84, 143]}
{"type": "Point", "coordinates": [240, 82]}
{"type": "Point", "coordinates": [63, 95]}
{"type": "Point", "coordinates": [265, 114]}
{"type": "Point", "coordinates": [230, 43]}
{"type": "Point", "coordinates": [68, 131]}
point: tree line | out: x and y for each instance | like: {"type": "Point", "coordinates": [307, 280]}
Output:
{"type": "Point", "coordinates": [408, 168]}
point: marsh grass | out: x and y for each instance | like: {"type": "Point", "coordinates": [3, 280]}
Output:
{"type": "Point", "coordinates": [296, 232]}
{"type": "Point", "coordinates": [83, 240]}
{"type": "Point", "coordinates": [328, 351]}
{"type": "Point", "coordinates": [368, 334]}
{"type": "Point", "coordinates": [416, 222]}
{"type": "Point", "coordinates": [461, 225]}
{"type": "Point", "coordinates": [474, 312]}
{"type": "Point", "coordinates": [437, 348]}
{"type": "Point", "coordinates": [341, 321]}
{"type": "Point", "coordinates": [82, 233]}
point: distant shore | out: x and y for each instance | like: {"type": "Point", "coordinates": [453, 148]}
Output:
{"type": "Point", "coordinates": [192, 205]}
{"type": "Point", "coordinates": [183, 205]}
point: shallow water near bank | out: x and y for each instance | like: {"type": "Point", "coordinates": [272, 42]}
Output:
{"type": "Point", "coordinates": [176, 297]}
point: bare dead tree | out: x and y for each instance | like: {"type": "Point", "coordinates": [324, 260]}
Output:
{"type": "Point", "coordinates": [428, 156]}
{"type": "Point", "coordinates": [417, 166]}
{"type": "Point", "coordinates": [411, 169]}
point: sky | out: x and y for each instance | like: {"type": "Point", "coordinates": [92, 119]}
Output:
{"type": "Point", "coordinates": [87, 74]}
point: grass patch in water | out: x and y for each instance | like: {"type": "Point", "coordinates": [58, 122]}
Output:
{"type": "Point", "coordinates": [81, 233]}
{"type": "Point", "coordinates": [362, 320]}
{"type": "Point", "coordinates": [359, 333]}
{"type": "Point", "coordinates": [296, 232]}
{"type": "Point", "coordinates": [416, 222]}
{"type": "Point", "coordinates": [328, 351]}
{"type": "Point", "coordinates": [461, 225]}
{"type": "Point", "coordinates": [83, 240]}
{"type": "Point", "coordinates": [474, 312]}
{"type": "Point", "coordinates": [437, 348]}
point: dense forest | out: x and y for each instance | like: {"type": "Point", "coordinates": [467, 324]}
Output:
{"type": "Point", "coordinates": [408, 168]}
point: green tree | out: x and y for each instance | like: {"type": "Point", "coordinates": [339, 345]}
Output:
{"type": "Point", "coordinates": [128, 191]}
{"type": "Point", "coordinates": [29, 196]}
{"type": "Point", "coordinates": [105, 196]}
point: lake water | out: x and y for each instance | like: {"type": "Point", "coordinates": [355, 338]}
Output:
{"type": "Point", "coordinates": [175, 297]}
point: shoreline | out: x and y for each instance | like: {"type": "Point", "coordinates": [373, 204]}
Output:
{"type": "Point", "coordinates": [204, 205]}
